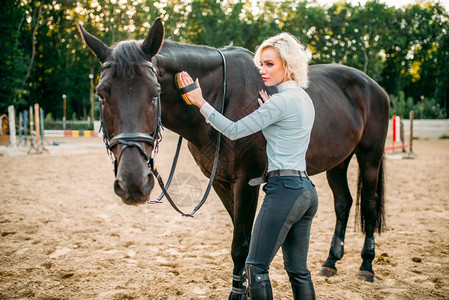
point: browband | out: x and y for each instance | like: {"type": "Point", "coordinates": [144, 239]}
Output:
{"type": "Point", "coordinates": [110, 64]}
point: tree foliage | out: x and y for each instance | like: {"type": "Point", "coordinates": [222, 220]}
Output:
{"type": "Point", "coordinates": [405, 49]}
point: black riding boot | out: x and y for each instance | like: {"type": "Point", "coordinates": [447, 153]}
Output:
{"type": "Point", "coordinates": [302, 286]}
{"type": "Point", "coordinates": [259, 283]}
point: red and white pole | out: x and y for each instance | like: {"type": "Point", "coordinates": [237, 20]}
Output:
{"type": "Point", "coordinates": [396, 126]}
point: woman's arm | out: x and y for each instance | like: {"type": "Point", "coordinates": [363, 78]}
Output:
{"type": "Point", "coordinates": [267, 114]}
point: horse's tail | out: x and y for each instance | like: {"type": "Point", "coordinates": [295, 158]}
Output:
{"type": "Point", "coordinates": [379, 198]}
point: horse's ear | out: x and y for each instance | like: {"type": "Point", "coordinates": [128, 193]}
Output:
{"type": "Point", "coordinates": [100, 50]}
{"type": "Point", "coordinates": [153, 42]}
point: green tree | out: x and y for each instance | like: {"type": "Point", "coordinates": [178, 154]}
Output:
{"type": "Point", "coordinates": [366, 31]}
{"type": "Point", "coordinates": [424, 76]}
{"type": "Point", "coordinates": [15, 54]}
{"type": "Point", "coordinates": [204, 24]}
{"type": "Point", "coordinates": [43, 56]}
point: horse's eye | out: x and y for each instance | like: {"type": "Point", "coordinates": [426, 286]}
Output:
{"type": "Point", "coordinates": [101, 98]}
{"type": "Point", "coordinates": [154, 99]}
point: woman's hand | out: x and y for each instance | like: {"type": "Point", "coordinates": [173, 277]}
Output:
{"type": "Point", "coordinates": [195, 96]}
{"type": "Point", "coordinates": [263, 97]}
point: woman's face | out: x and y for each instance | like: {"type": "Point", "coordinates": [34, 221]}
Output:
{"type": "Point", "coordinates": [272, 69]}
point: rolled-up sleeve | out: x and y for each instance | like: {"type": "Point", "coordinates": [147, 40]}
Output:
{"type": "Point", "coordinates": [267, 114]}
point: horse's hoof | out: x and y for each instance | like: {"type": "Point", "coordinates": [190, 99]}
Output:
{"type": "Point", "coordinates": [328, 272]}
{"type": "Point", "coordinates": [366, 275]}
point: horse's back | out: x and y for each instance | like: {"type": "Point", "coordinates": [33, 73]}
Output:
{"type": "Point", "coordinates": [353, 87]}
{"type": "Point", "coordinates": [349, 105]}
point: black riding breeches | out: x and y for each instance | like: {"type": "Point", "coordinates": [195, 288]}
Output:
{"type": "Point", "coordinates": [285, 219]}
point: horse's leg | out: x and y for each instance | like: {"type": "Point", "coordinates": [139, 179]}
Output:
{"type": "Point", "coordinates": [244, 203]}
{"type": "Point", "coordinates": [372, 209]}
{"type": "Point", "coordinates": [224, 191]}
{"type": "Point", "coordinates": [338, 182]}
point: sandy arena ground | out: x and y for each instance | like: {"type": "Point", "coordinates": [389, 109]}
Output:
{"type": "Point", "coordinates": [66, 235]}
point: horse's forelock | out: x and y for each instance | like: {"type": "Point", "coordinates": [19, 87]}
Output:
{"type": "Point", "coordinates": [127, 56]}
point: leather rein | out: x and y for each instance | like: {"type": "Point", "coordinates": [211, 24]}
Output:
{"type": "Point", "coordinates": [134, 139]}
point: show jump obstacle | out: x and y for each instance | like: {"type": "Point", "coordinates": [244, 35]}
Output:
{"type": "Point", "coordinates": [398, 138]}
{"type": "Point", "coordinates": [32, 120]}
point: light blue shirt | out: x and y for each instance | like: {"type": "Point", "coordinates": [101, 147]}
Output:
{"type": "Point", "coordinates": [286, 121]}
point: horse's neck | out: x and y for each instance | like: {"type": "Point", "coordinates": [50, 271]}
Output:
{"type": "Point", "coordinates": [202, 62]}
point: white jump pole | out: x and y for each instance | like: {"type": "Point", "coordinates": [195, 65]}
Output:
{"type": "Point", "coordinates": [12, 129]}
{"type": "Point", "coordinates": [37, 123]}
{"type": "Point", "coordinates": [410, 154]}
{"type": "Point", "coordinates": [20, 128]}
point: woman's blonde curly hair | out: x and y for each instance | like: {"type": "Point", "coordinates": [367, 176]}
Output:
{"type": "Point", "coordinates": [293, 55]}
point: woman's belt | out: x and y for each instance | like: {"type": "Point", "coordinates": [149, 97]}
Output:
{"type": "Point", "coordinates": [263, 179]}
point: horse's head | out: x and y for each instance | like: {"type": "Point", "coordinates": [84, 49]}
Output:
{"type": "Point", "coordinates": [130, 109]}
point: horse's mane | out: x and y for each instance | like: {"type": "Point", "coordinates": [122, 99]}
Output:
{"type": "Point", "coordinates": [127, 57]}
{"type": "Point", "coordinates": [179, 55]}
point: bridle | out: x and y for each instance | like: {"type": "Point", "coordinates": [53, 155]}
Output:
{"type": "Point", "coordinates": [135, 138]}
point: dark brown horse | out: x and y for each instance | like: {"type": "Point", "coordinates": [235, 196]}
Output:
{"type": "Point", "coordinates": [351, 118]}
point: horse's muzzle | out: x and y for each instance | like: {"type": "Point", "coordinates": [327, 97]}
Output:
{"type": "Point", "coordinates": [134, 192]}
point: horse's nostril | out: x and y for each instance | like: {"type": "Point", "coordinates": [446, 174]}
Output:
{"type": "Point", "coordinates": [150, 184]}
{"type": "Point", "coordinates": [119, 189]}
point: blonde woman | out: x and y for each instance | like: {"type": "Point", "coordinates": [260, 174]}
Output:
{"type": "Point", "coordinates": [291, 202]}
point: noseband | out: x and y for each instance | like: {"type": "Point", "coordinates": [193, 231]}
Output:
{"type": "Point", "coordinates": [134, 139]}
